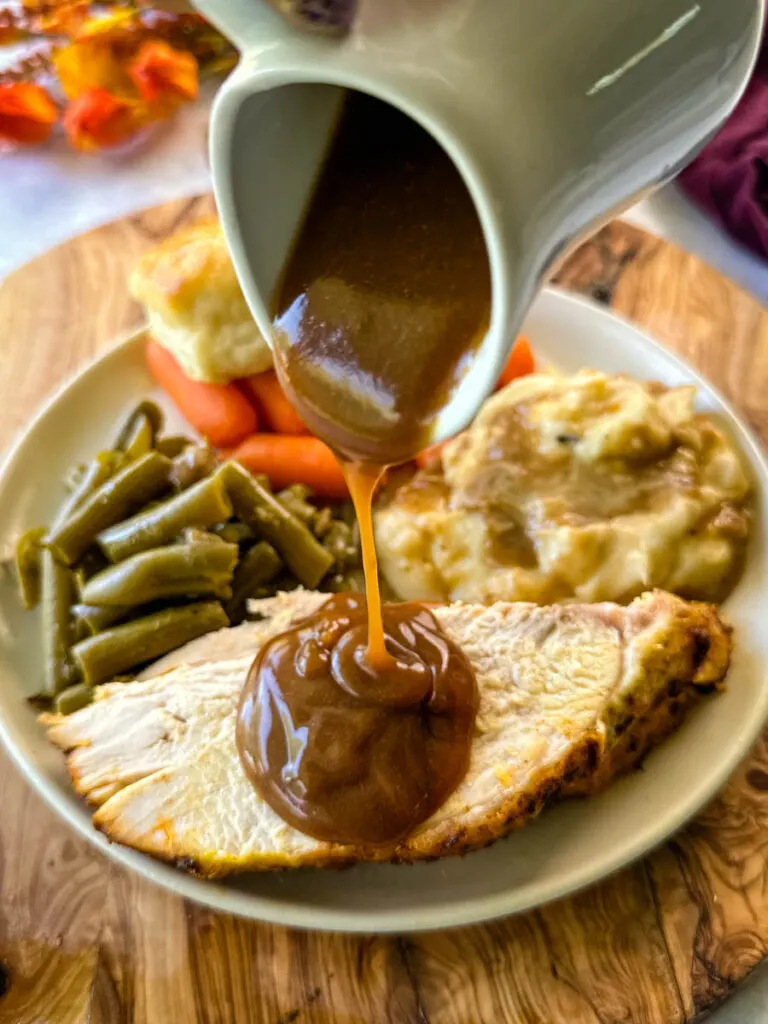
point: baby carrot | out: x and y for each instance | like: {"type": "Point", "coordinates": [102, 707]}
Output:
{"type": "Point", "coordinates": [276, 412]}
{"type": "Point", "coordinates": [220, 412]}
{"type": "Point", "coordinates": [519, 364]}
{"type": "Point", "coordinates": [293, 460]}
{"type": "Point", "coordinates": [429, 456]}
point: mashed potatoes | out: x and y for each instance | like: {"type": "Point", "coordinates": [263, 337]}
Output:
{"type": "Point", "coordinates": [583, 487]}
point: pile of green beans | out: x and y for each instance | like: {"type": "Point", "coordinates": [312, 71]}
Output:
{"type": "Point", "coordinates": [157, 543]}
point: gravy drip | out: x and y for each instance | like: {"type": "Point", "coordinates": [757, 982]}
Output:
{"type": "Point", "coordinates": [362, 479]}
{"type": "Point", "coordinates": [351, 753]}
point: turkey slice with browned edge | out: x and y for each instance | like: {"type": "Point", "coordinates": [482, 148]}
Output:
{"type": "Point", "coordinates": [570, 696]}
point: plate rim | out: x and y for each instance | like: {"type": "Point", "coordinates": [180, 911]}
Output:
{"type": "Point", "coordinates": [468, 911]}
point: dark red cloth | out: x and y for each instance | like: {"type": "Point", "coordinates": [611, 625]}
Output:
{"type": "Point", "coordinates": [729, 179]}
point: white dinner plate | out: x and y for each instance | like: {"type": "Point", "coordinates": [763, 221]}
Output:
{"type": "Point", "coordinates": [571, 845]}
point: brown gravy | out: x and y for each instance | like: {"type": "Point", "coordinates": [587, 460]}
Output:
{"type": "Point", "coordinates": [347, 752]}
{"type": "Point", "coordinates": [356, 725]}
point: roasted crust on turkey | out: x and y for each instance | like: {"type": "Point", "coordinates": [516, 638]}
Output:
{"type": "Point", "coordinates": [563, 690]}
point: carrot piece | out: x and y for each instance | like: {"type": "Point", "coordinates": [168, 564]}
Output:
{"type": "Point", "coordinates": [220, 412]}
{"type": "Point", "coordinates": [293, 460]}
{"type": "Point", "coordinates": [276, 412]}
{"type": "Point", "coordinates": [429, 456]}
{"type": "Point", "coordinates": [519, 364]}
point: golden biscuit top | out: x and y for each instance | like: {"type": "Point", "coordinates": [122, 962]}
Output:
{"type": "Point", "coordinates": [173, 274]}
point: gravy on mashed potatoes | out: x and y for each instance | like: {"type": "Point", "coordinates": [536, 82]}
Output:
{"type": "Point", "coordinates": [585, 487]}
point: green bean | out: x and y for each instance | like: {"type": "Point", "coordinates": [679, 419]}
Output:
{"type": "Point", "coordinates": [256, 568]}
{"type": "Point", "coordinates": [97, 472]}
{"type": "Point", "coordinates": [294, 499]}
{"type": "Point", "coordinates": [347, 513]}
{"type": "Point", "coordinates": [268, 590]}
{"type": "Point", "coordinates": [79, 630]}
{"type": "Point", "coordinates": [340, 542]}
{"type": "Point", "coordinates": [203, 504]}
{"type": "Point", "coordinates": [300, 550]}
{"type": "Point", "coordinates": [79, 577]}
{"type": "Point", "coordinates": [133, 486]}
{"type": "Point", "coordinates": [196, 535]}
{"type": "Point", "coordinates": [124, 647]}
{"type": "Point", "coordinates": [172, 445]}
{"type": "Point", "coordinates": [73, 698]}
{"type": "Point", "coordinates": [73, 477]}
{"type": "Point", "coordinates": [56, 597]}
{"type": "Point", "coordinates": [93, 561]}
{"type": "Point", "coordinates": [28, 548]}
{"type": "Point", "coordinates": [203, 569]}
{"type": "Point", "coordinates": [92, 619]}
{"type": "Point", "coordinates": [234, 532]}
{"type": "Point", "coordinates": [139, 430]}
{"type": "Point", "coordinates": [343, 582]}
{"type": "Point", "coordinates": [141, 439]}
{"type": "Point", "coordinates": [301, 492]}
{"type": "Point", "coordinates": [356, 581]}
{"type": "Point", "coordinates": [322, 522]}
{"type": "Point", "coordinates": [195, 463]}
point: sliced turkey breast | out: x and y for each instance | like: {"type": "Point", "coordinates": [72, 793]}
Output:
{"type": "Point", "coordinates": [569, 696]}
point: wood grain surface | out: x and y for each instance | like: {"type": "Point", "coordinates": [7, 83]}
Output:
{"type": "Point", "coordinates": [84, 942]}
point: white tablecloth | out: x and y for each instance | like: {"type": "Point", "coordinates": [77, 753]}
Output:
{"type": "Point", "coordinates": [50, 194]}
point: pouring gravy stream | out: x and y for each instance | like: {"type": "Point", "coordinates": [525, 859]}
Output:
{"type": "Point", "coordinates": [356, 727]}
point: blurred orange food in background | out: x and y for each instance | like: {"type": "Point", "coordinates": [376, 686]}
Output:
{"type": "Point", "coordinates": [97, 120]}
{"type": "Point", "coordinates": [104, 70]}
{"type": "Point", "coordinates": [162, 74]}
{"type": "Point", "coordinates": [27, 113]}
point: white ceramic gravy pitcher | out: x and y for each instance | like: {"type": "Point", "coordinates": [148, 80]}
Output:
{"type": "Point", "coordinates": [558, 114]}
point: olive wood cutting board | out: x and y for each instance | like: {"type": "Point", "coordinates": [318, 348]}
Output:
{"type": "Point", "coordinates": [82, 941]}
